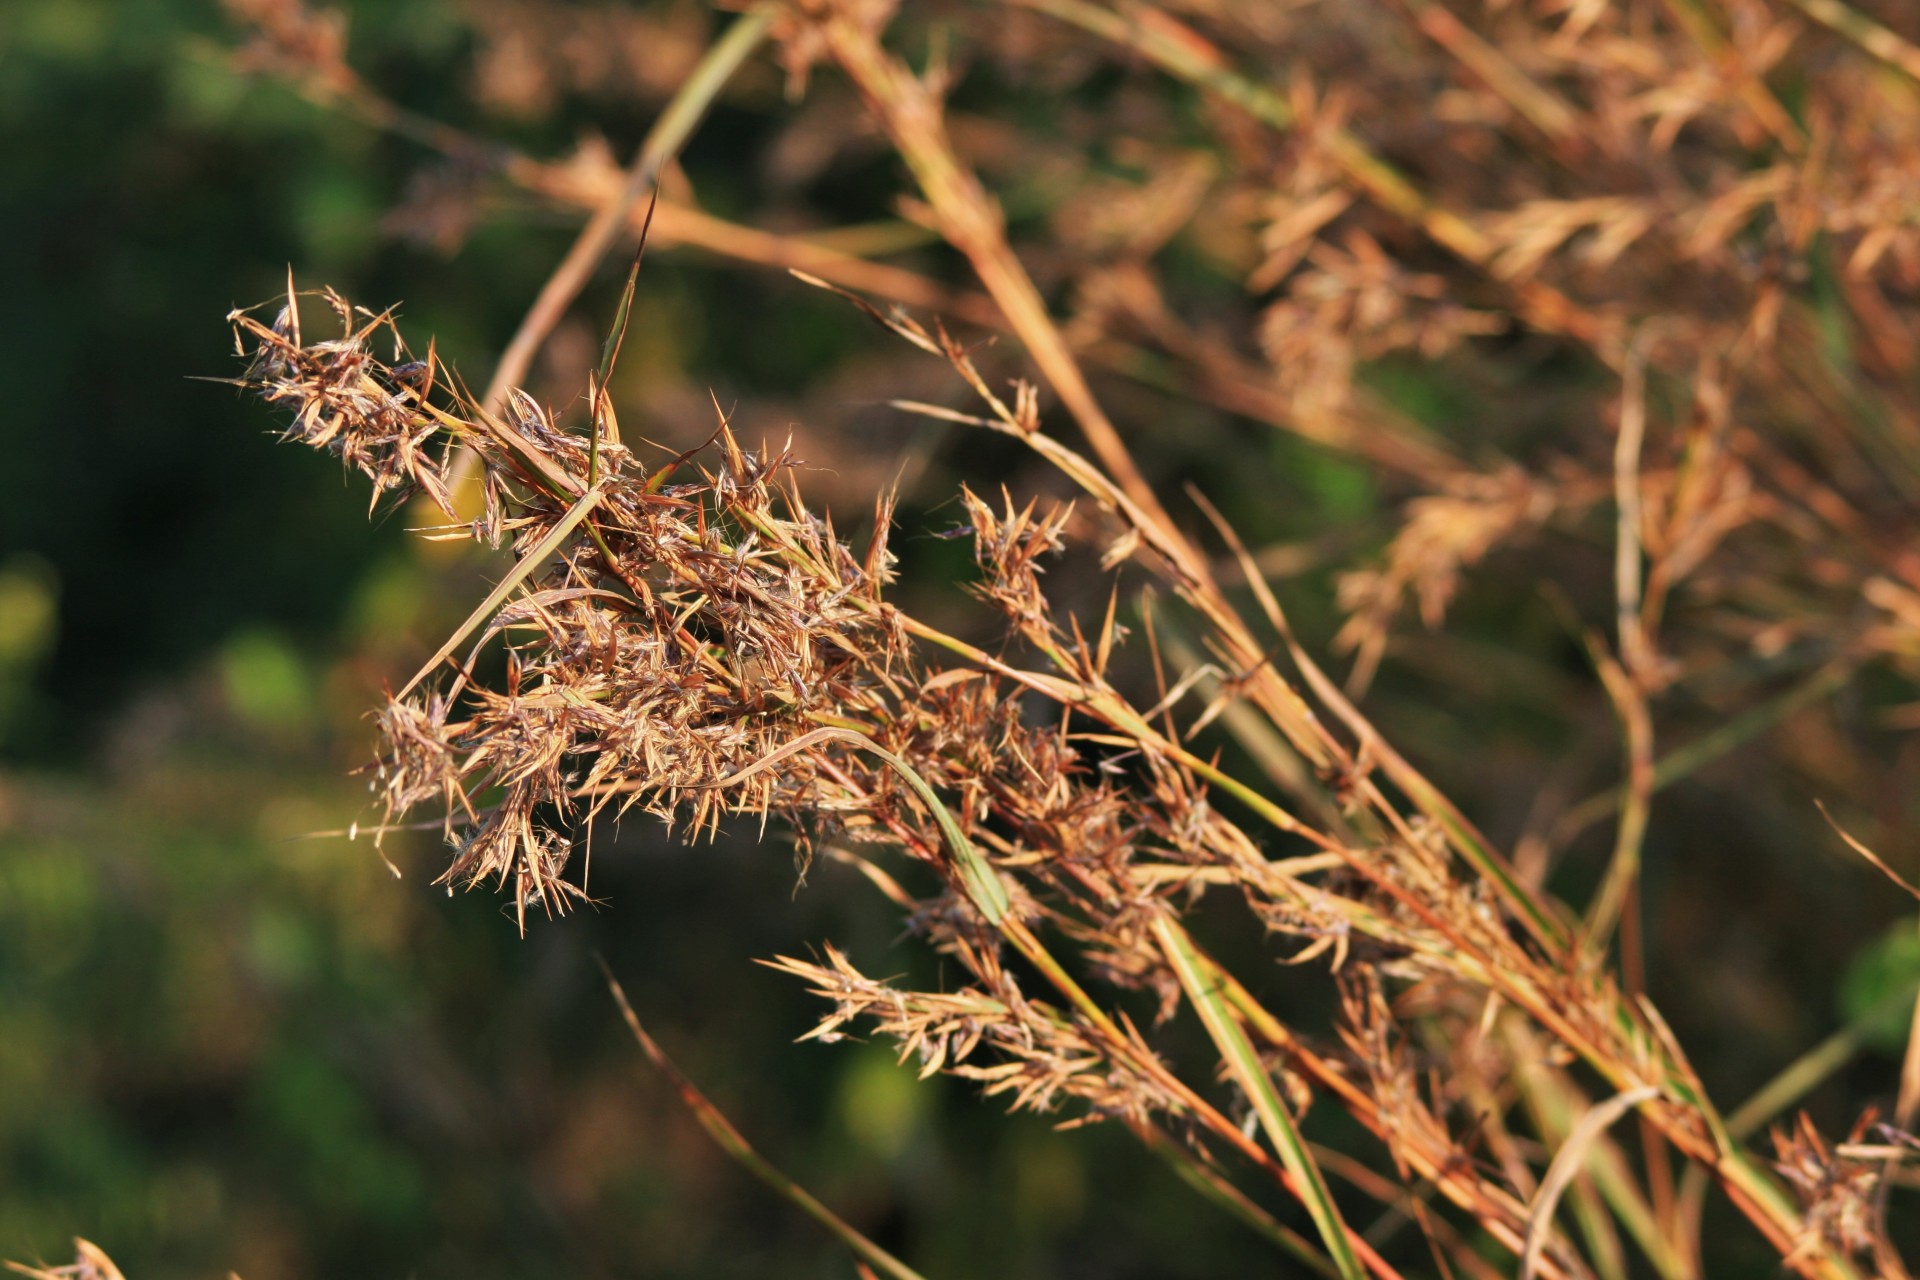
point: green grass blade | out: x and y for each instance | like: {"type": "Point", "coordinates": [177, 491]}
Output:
{"type": "Point", "coordinates": [1237, 1052]}
{"type": "Point", "coordinates": [617, 334]}
{"type": "Point", "coordinates": [518, 574]}
{"type": "Point", "coordinates": [1812, 1068]}
{"type": "Point", "coordinates": [982, 884]}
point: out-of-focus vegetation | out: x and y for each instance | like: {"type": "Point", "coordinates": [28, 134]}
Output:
{"type": "Point", "coordinates": [223, 1045]}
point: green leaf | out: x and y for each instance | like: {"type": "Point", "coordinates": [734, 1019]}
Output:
{"type": "Point", "coordinates": [1880, 984]}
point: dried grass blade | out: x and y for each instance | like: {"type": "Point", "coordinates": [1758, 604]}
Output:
{"type": "Point", "coordinates": [1545, 109]}
{"type": "Point", "coordinates": [973, 224]}
{"type": "Point", "coordinates": [1566, 1164]}
{"type": "Point", "coordinates": [1268, 748]}
{"type": "Point", "coordinates": [669, 133]}
{"type": "Point", "coordinates": [1552, 1100]}
{"type": "Point", "coordinates": [89, 1260]}
{"type": "Point", "coordinates": [1426, 797]}
{"type": "Point", "coordinates": [731, 1141]}
{"type": "Point", "coordinates": [1237, 1052]}
{"type": "Point", "coordinates": [1705, 33]}
{"type": "Point", "coordinates": [1529, 910]}
{"type": "Point", "coordinates": [518, 574]}
{"type": "Point", "coordinates": [1878, 863]}
{"type": "Point", "coordinates": [1865, 32]}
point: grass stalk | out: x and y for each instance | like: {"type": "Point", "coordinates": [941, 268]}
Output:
{"type": "Point", "coordinates": [1735, 732]}
{"type": "Point", "coordinates": [663, 141]}
{"type": "Point", "coordinates": [1901, 54]}
{"type": "Point", "coordinates": [972, 224]}
{"type": "Point", "coordinates": [730, 1140]}
{"type": "Point", "coordinates": [1187, 55]}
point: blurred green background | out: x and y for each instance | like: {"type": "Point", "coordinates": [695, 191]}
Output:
{"type": "Point", "coordinates": [226, 1046]}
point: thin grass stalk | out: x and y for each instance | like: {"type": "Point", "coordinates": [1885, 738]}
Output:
{"type": "Point", "coordinates": [1615, 899]}
{"type": "Point", "coordinates": [1901, 54]}
{"type": "Point", "coordinates": [1468, 841]}
{"type": "Point", "coordinates": [1590, 1214]}
{"type": "Point", "coordinates": [1452, 1252]}
{"type": "Point", "coordinates": [1683, 762]}
{"type": "Point", "coordinates": [664, 140]}
{"type": "Point", "coordinates": [981, 882]}
{"type": "Point", "coordinates": [1626, 682]}
{"type": "Point", "coordinates": [730, 1140]}
{"type": "Point", "coordinates": [1692, 17]}
{"type": "Point", "coordinates": [523, 569]}
{"type": "Point", "coordinates": [1189, 56]}
{"type": "Point", "coordinates": [1546, 110]}
{"type": "Point", "coordinates": [1497, 1212]}
{"type": "Point", "coordinates": [1127, 1046]}
{"type": "Point", "coordinates": [971, 223]}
